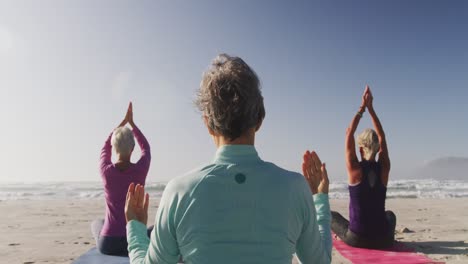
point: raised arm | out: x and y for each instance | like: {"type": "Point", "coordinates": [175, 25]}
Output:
{"type": "Point", "coordinates": [145, 158]}
{"type": "Point", "coordinates": [384, 159]}
{"type": "Point", "coordinates": [352, 162]}
{"type": "Point", "coordinates": [106, 155]}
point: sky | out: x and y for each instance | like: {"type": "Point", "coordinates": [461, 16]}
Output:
{"type": "Point", "coordinates": [69, 68]}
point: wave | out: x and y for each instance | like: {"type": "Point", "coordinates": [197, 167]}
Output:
{"type": "Point", "coordinates": [69, 190]}
{"type": "Point", "coordinates": [413, 189]}
{"type": "Point", "coordinates": [429, 188]}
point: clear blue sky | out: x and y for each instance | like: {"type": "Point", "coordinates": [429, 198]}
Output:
{"type": "Point", "coordinates": [69, 68]}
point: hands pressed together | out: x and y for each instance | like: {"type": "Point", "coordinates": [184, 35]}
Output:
{"type": "Point", "coordinates": [128, 117]}
{"type": "Point", "coordinates": [367, 100]}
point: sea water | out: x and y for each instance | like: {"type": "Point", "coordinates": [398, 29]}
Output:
{"type": "Point", "coordinates": [338, 190]}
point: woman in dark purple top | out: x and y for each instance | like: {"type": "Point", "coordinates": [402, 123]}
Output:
{"type": "Point", "coordinates": [369, 226]}
{"type": "Point", "coordinates": [110, 233]}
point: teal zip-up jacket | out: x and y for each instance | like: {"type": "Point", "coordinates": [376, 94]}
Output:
{"type": "Point", "coordinates": [239, 209]}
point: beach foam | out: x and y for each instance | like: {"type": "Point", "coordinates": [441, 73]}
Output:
{"type": "Point", "coordinates": [338, 190]}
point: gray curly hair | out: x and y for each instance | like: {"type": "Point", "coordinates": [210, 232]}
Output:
{"type": "Point", "coordinates": [230, 98]}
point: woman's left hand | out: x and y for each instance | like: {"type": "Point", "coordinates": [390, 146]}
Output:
{"type": "Point", "coordinates": [136, 205]}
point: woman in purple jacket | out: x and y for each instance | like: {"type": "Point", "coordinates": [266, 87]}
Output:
{"type": "Point", "coordinates": [110, 233]}
{"type": "Point", "coordinates": [369, 226]}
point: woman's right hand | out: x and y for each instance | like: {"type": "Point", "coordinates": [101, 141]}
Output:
{"type": "Point", "coordinates": [315, 173]}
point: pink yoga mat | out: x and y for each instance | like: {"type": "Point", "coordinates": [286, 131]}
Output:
{"type": "Point", "coordinates": [399, 253]}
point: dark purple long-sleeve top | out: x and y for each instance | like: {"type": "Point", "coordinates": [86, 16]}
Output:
{"type": "Point", "coordinates": [116, 184]}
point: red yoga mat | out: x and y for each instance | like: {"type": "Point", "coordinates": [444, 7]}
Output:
{"type": "Point", "coordinates": [399, 253]}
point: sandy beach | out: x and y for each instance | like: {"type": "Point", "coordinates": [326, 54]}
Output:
{"type": "Point", "coordinates": [58, 231]}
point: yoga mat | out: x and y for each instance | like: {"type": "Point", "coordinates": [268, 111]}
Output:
{"type": "Point", "coordinates": [399, 253]}
{"type": "Point", "coordinates": [94, 257]}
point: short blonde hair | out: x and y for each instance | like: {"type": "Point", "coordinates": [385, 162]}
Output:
{"type": "Point", "coordinates": [369, 141]}
{"type": "Point", "coordinates": [123, 140]}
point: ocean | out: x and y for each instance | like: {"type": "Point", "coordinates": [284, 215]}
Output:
{"type": "Point", "coordinates": [415, 189]}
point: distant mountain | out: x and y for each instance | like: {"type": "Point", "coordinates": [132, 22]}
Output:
{"type": "Point", "coordinates": [445, 168]}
